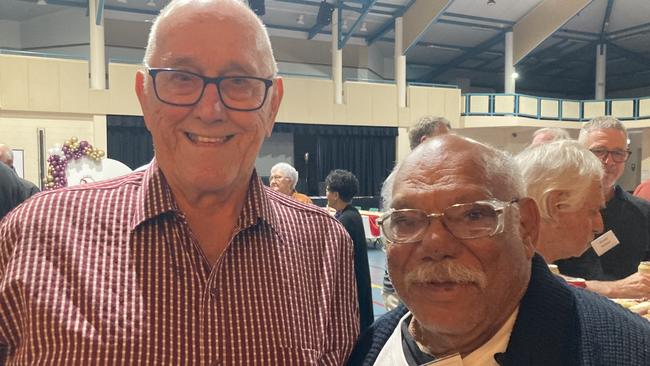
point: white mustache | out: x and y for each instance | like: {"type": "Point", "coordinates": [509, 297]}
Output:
{"type": "Point", "coordinates": [446, 272]}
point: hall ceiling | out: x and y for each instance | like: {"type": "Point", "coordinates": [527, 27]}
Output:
{"type": "Point", "coordinates": [466, 41]}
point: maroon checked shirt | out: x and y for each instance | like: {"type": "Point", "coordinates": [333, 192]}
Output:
{"type": "Point", "coordinates": [110, 274]}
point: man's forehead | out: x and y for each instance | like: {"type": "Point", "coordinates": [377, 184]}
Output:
{"type": "Point", "coordinates": [607, 137]}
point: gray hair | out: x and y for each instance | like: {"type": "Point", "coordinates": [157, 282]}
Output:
{"type": "Point", "coordinates": [288, 171]}
{"type": "Point", "coordinates": [501, 172]}
{"type": "Point", "coordinates": [263, 41]}
{"type": "Point", "coordinates": [600, 123]}
{"type": "Point", "coordinates": [427, 126]}
{"type": "Point", "coordinates": [557, 133]}
{"type": "Point", "coordinates": [560, 166]}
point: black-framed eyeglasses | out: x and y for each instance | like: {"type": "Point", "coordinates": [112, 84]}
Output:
{"type": "Point", "coordinates": [619, 156]}
{"type": "Point", "coordinates": [185, 89]}
{"type": "Point", "coordinates": [464, 221]}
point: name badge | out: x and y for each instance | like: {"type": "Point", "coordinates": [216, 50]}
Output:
{"type": "Point", "coordinates": [451, 360]}
{"type": "Point", "coordinates": [604, 243]}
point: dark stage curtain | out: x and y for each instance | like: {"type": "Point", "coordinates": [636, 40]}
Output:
{"type": "Point", "coordinates": [128, 140]}
{"type": "Point", "coordinates": [368, 152]}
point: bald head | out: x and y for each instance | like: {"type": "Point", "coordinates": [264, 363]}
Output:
{"type": "Point", "coordinates": [441, 154]}
{"type": "Point", "coordinates": [179, 12]}
{"type": "Point", "coordinates": [6, 155]}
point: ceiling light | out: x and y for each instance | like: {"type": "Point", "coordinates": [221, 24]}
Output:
{"type": "Point", "coordinates": [41, 2]}
{"type": "Point", "coordinates": [491, 2]}
{"type": "Point", "coordinates": [515, 75]}
{"type": "Point", "coordinates": [364, 27]}
{"type": "Point", "coordinates": [151, 3]}
{"type": "Point", "coordinates": [122, 1]}
{"type": "Point", "coordinates": [301, 19]}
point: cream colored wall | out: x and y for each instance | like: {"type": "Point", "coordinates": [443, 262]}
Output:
{"type": "Point", "coordinates": [20, 131]}
{"type": "Point", "coordinates": [53, 94]}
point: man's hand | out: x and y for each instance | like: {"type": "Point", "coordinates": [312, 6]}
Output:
{"type": "Point", "coordinates": [634, 286]}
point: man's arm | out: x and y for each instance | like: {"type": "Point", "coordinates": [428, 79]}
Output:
{"type": "Point", "coordinates": [636, 285]}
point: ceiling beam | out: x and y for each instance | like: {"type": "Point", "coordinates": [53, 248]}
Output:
{"type": "Point", "coordinates": [608, 13]}
{"type": "Point", "coordinates": [431, 75]}
{"type": "Point", "coordinates": [561, 59]}
{"type": "Point", "coordinates": [418, 18]}
{"type": "Point", "coordinates": [364, 13]}
{"type": "Point", "coordinates": [388, 25]}
{"type": "Point", "coordinates": [541, 22]}
{"type": "Point", "coordinates": [630, 55]}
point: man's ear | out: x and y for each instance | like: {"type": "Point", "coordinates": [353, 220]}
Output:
{"type": "Point", "coordinates": [277, 92]}
{"type": "Point", "coordinates": [140, 80]}
{"type": "Point", "coordinates": [529, 224]}
{"type": "Point", "coordinates": [553, 202]}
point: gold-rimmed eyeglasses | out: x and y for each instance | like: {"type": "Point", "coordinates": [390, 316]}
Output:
{"type": "Point", "coordinates": [464, 221]}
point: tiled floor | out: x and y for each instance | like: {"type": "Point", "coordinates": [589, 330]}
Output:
{"type": "Point", "coordinates": [377, 261]}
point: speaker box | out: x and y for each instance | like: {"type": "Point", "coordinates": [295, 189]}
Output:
{"type": "Point", "coordinates": [257, 6]}
{"type": "Point", "coordinates": [325, 13]}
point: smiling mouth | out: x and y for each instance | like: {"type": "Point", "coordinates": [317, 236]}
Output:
{"type": "Point", "coordinates": [207, 140]}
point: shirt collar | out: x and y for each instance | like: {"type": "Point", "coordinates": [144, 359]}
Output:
{"type": "Point", "coordinates": [155, 198]}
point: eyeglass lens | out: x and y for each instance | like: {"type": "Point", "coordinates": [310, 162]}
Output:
{"type": "Point", "coordinates": [185, 88]}
{"type": "Point", "coordinates": [618, 156]}
{"type": "Point", "coordinates": [465, 221]}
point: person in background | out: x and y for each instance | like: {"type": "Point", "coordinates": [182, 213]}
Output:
{"type": "Point", "coordinates": [425, 128]}
{"type": "Point", "coordinates": [283, 179]}
{"type": "Point", "coordinates": [7, 157]}
{"type": "Point", "coordinates": [12, 193]}
{"type": "Point", "coordinates": [193, 261]}
{"type": "Point", "coordinates": [341, 186]}
{"type": "Point", "coordinates": [626, 218]}
{"type": "Point", "coordinates": [643, 190]}
{"type": "Point", "coordinates": [549, 134]}
{"type": "Point", "coordinates": [564, 178]}
{"type": "Point", "coordinates": [461, 251]}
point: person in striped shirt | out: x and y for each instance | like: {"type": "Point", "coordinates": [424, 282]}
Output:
{"type": "Point", "coordinates": [192, 261]}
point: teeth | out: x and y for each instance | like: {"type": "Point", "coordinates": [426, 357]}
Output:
{"type": "Point", "coordinates": [205, 139]}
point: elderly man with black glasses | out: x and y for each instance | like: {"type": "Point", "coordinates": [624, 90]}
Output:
{"type": "Point", "coordinates": [193, 261]}
{"type": "Point", "coordinates": [611, 264]}
{"type": "Point", "coordinates": [461, 240]}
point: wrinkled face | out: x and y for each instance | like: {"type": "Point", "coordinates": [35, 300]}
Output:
{"type": "Point", "coordinates": [280, 182]}
{"type": "Point", "coordinates": [575, 229]}
{"type": "Point", "coordinates": [610, 139]}
{"type": "Point", "coordinates": [446, 305]}
{"type": "Point", "coordinates": [207, 148]}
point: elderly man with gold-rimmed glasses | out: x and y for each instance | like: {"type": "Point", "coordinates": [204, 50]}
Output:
{"type": "Point", "coordinates": [461, 238]}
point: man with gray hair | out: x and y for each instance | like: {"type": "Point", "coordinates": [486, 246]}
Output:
{"type": "Point", "coordinates": [548, 134]}
{"type": "Point", "coordinates": [7, 157]}
{"type": "Point", "coordinates": [283, 179]}
{"type": "Point", "coordinates": [461, 239]}
{"type": "Point", "coordinates": [564, 178]}
{"type": "Point", "coordinates": [611, 265]}
{"type": "Point", "coordinates": [193, 261]}
{"type": "Point", "coordinates": [426, 127]}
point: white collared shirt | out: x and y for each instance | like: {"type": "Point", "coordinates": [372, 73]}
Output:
{"type": "Point", "coordinates": [392, 354]}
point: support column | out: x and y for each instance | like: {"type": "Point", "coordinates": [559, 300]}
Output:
{"type": "Point", "coordinates": [400, 63]}
{"type": "Point", "coordinates": [337, 60]}
{"type": "Point", "coordinates": [97, 57]}
{"type": "Point", "coordinates": [509, 69]}
{"type": "Point", "coordinates": [601, 71]}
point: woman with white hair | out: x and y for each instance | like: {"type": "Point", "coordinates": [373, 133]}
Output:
{"type": "Point", "coordinates": [565, 180]}
{"type": "Point", "coordinates": [283, 179]}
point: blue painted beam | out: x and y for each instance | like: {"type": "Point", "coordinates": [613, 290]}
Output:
{"type": "Point", "coordinates": [608, 13]}
{"type": "Point", "coordinates": [100, 12]}
{"type": "Point", "coordinates": [506, 23]}
{"type": "Point", "coordinates": [431, 75]}
{"type": "Point", "coordinates": [388, 25]}
{"type": "Point", "coordinates": [315, 30]}
{"type": "Point", "coordinates": [630, 55]}
{"type": "Point", "coordinates": [366, 9]}
{"type": "Point", "coordinates": [560, 61]}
